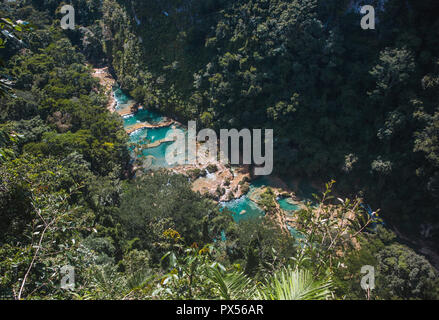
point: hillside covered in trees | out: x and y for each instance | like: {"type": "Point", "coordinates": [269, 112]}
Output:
{"type": "Point", "coordinates": [346, 103]}
{"type": "Point", "coordinates": [356, 106]}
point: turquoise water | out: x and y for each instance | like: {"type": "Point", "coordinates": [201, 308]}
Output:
{"type": "Point", "coordinates": [142, 115]}
{"type": "Point", "coordinates": [156, 157]}
{"type": "Point", "coordinates": [285, 205]}
{"type": "Point", "coordinates": [140, 136]}
{"type": "Point", "coordinates": [145, 136]}
{"type": "Point", "coordinates": [156, 154]}
{"type": "Point", "coordinates": [243, 208]}
{"type": "Point", "coordinates": [122, 99]}
{"type": "Point", "coordinates": [120, 96]}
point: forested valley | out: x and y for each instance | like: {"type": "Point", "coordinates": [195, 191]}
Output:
{"type": "Point", "coordinates": [355, 112]}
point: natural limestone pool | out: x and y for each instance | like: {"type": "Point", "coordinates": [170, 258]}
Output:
{"type": "Point", "coordinates": [242, 208]}
{"type": "Point", "coordinates": [142, 115]}
{"type": "Point", "coordinates": [285, 204]}
{"type": "Point", "coordinates": [144, 136]}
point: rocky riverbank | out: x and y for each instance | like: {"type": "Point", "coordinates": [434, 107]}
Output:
{"type": "Point", "coordinates": [107, 81]}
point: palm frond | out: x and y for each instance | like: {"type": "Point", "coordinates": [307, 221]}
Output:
{"type": "Point", "coordinates": [231, 285]}
{"type": "Point", "coordinates": [288, 284]}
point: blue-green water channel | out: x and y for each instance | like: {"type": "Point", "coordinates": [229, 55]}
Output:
{"type": "Point", "coordinates": [242, 208]}
{"type": "Point", "coordinates": [287, 206]}
{"type": "Point", "coordinates": [122, 99]}
{"type": "Point", "coordinates": [142, 115]}
{"type": "Point", "coordinates": [145, 136]}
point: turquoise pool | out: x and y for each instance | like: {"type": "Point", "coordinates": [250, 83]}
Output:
{"type": "Point", "coordinates": [243, 208]}
{"type": "Point", "coordinates": [287, 206]}
{"type": "Point", "coordinates": [145, 136]}
{"type": "Point", "coordinates": [142, 115]}
{"type": "Point", "coordinates": [121, 98]}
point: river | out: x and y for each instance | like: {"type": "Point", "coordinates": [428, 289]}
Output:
{"type": "Point", "coordinates": [243, 207]}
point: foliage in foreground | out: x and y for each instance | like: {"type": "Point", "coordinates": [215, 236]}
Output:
{"type": "Point", "coordinates": [63, 158]}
